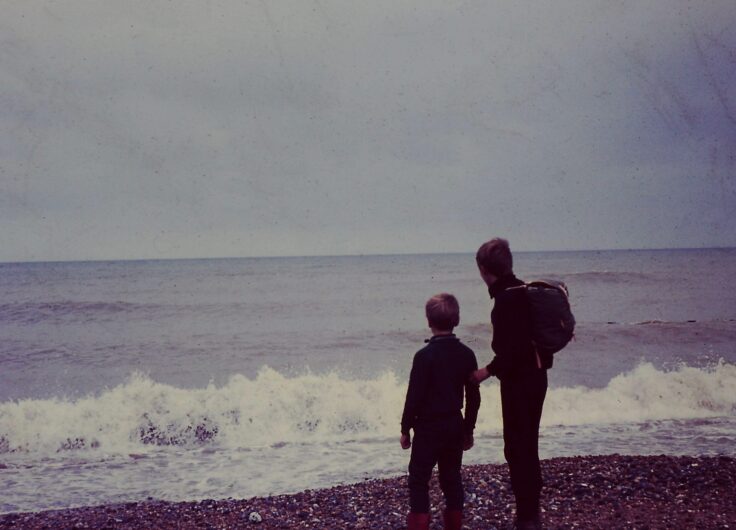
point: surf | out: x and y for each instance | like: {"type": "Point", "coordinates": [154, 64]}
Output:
{"type": "Point", "coordinates": [272, 408]}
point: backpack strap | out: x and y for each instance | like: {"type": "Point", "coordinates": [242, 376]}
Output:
{"type": "Point", "coordinates": [560, 286]}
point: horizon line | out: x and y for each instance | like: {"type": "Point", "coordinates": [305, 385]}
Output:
{"type": "Point", "coordinates": [376, 254]}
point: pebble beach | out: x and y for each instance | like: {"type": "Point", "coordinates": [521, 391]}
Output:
{"type": "Point", "coordinates": [642, 492]}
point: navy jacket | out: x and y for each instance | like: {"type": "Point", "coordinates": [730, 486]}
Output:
{"type": "Point", "coordinates": [512, 334]}
{"type": "Point", "coordinates": [439, 374]}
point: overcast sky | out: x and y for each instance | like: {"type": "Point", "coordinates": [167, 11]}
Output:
{"type": "Point", "coordinates": [165, 129]}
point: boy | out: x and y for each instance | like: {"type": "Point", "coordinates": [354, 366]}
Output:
{"type": "Point", "coordinates": [523, 375]}
{"type": "Point", "coordinates": [434, 399]}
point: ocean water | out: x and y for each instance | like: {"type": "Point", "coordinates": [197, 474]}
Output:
{"type": "Point", "coordinates": [191, 379]}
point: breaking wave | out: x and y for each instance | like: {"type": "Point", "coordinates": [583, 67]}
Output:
{"type": "Point", "coordinates": [272, 409]}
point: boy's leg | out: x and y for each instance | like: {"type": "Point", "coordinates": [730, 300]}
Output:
{"type": "Point", "coordinates": [423, 459]}
{"type": "Point", "coordinates": [449, 462]}
{"type": "Point", "coordinates": [521, 403]}
{"type": "Point", "coordinates": [536, 403]}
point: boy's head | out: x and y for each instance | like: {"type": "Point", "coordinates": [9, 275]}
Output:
{"type": "Point", "coordinates": [494, 258]}
{"type": "Point", "coordinates": [443, 312]}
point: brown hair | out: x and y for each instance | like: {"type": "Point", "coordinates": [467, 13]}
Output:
{"type": "Point", "coordinates": [443, 312]}
{"type": "Point", "coordinates": [495, 257]}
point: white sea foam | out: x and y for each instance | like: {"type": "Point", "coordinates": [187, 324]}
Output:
{"type": "Point", "coordinates": [272, 409]}
{"type": "Point", "coordinates": [646, 394]}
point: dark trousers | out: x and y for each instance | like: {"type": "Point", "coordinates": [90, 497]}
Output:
{"type": "Point", "coordinates": [436, 442]}
{"type": "Point", "coordinates": [522, 399]}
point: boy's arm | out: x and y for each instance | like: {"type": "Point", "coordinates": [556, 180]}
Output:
{"type": "Point", "coordinates": [502, 322]}
{"type": "Point", "coordinates": [472, 400]}
{"type": "Point", "coordinates": [507, 315]}
{"type": "Point", "coordinates": [417, 382]}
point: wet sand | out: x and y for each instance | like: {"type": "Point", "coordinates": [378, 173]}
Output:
{"type": "Point", "coordinates": [581, 492]}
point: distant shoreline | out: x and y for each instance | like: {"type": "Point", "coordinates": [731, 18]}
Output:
{"type": "Point", "coordinates": [370, 255]}
{"type": "Point", "coordinates": [584, 492]}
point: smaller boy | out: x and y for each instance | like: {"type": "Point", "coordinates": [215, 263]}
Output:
{"type": "Point", "coordinates": [434, 399]}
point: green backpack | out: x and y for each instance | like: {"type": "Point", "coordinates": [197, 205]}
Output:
{"type": "Point", "coordinates": [553, 324]}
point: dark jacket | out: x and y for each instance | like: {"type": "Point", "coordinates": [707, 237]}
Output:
{"type": "Point", "coordinates": [439, 374]}
{"type": "Point", "coordinates": [512, 334]}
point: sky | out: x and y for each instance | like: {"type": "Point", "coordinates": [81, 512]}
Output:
{"type": "Point", "coordinates": [177, 129]}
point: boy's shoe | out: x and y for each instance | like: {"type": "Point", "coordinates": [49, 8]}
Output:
{"type": "Point", "coordinates": [528, 524]}
{"type": "Point", "coordinates": [527, 514]}
{"type": "Point", "coordinates": [417, 521]}
{"type": "Point", "coordinates": [453, 519]}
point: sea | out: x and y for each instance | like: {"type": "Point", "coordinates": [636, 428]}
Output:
{"type": "Point", "coordinates": [231, 378]}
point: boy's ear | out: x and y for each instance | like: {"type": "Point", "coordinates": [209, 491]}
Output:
{"type": "Point", "coordinates": [487, 275]}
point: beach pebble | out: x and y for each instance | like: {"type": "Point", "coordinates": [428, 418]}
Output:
{"type": "Point", "coordinates": [612, 492]}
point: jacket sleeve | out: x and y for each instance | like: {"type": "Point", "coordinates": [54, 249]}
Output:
{"type": "Point", "coordinates": [509, 332]}
{"type": "Point", "coordinates": [472, 399]}
{"type": "Point", "coordinates": [414, 394]}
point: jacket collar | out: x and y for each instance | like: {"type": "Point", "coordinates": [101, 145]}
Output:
{"type": "Point", "coordinates": [503, 283]}
{"type": "Point", "coordinates": [436, 338]}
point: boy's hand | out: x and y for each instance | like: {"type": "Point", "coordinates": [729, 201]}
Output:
{"type": "Point", "coordinates": [405, 441]}
{"type": "Point", "coordinates": [479, 376]}
{"type": "Point", "coordinates": [468, 442]}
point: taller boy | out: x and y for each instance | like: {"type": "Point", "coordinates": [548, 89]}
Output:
{"type": "Point", "coordinates": [434, 399]}
{"type": "Point", "coordinates": [523, 376]}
